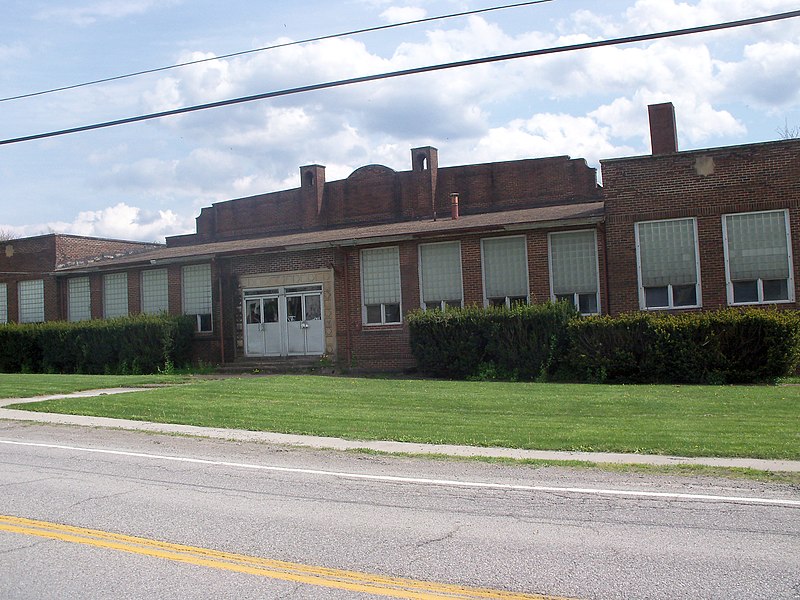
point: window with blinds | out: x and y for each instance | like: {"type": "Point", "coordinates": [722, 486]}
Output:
{"type": "Point", "coordinates": [196, 294]}
{"type": "Point", "coordinates": [155, 294]}
{"type": "Point", "coordinates": [3, 303]}
{"type": "Point", "coordinates": [380, 285]}
{"type": "Point", "coordinates": [667, 261]}
{"type": "Point", "coordinates": [574, 270]}
{"type": "Point", "coordinates": [440, 275]}
{"type": "Point", "coordinates": [31, 301]}
{"type": "Point", "coordinates": [758, 258]}
{"type": "Point", "coordinates": [505, 271]}
{"type": "Point", "coordinates": [115, 295]}
{"type": "Point", "coordinates": [79, 302]}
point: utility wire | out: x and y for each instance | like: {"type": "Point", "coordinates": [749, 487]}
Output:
{"type": "Point", "coordinates": [276, 46]}
{"type": "Point", "coordinates": [414, 71]}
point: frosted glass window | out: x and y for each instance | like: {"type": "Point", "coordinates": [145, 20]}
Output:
{"type": "Point", "coordinates": [573, 269]}
{"type": "Point", "coordinates": [31, 301]}
{"type": "Point", "coordinates": [115, 295]}
{"type": "Point", "coordinates": [667, 261]}
{"type": "Point", "coordinates": [758, 258]}
{"type": "Point", "coordinates": [440, 275]}
{"type": "Point", "coordinates": [78, 299]}
{"type": "Point", "coordinates": [155, 294]}
{"type": "Point", "coordinates": [380, 285]}
{"type": "Point", "coordinates": [505, 270]}
{"type": "Point", "coordinates": [196, 285]}
{"type": "Point", "coordinates": [3, 303]}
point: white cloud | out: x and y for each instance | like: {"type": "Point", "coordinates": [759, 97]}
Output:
{"type": "Point", "coordinates": [119, 222]}
{"type": "Point", "coordinates": [548, 134]}
{"type": "Point", "coordinates": [401, 14]}
{"type": "Point", "coordinates": [13, 52]}
{"type": "Point", "coordinates": [768, 74]}
{"type": "Point", "coordinates": [104, 10]}
{"type": "Point", "coordinates": [588, 104]}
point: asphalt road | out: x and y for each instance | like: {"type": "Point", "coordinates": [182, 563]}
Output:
{"type": "Point", "coordinates": [551, 531]}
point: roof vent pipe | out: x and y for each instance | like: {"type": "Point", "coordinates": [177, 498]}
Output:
{"type": "Point", "coordinates": [454, 206]}
{"type": "Point", "coordinates": [663, 132]}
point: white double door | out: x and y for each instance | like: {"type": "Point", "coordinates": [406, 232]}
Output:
{"type": "Point", "coordinates": [284, 322]}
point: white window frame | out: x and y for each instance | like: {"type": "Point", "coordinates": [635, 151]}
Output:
{"type": "Point", "coordinates": [575, 295]}
{"type": "Point", "coordinates": [508, 300]}
{"type": "Point", "coordinates": [383, 305]}
{"type": "Point", "coordinates": [31, 312]}
{"type": "Point", "coordinates": [155, 291]}
{"type": "Point", "coordinates": [3, 303]}
{"type": "Point", "coordinates": [447, 302]}
{"type": "Point", "coordinates": [760, 282]}
{"type": "Point", "coordinates": [79, 299]}
{"type": "Point", "coordinates": [203, 309]}
{"type": "Point", "coordinates": [115, 295]}
{"type": "Point", "coordinates": [698, 288]}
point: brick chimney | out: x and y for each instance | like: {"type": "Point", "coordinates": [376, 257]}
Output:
{"type": "Point", "coordinates": [312, 192]}
{"type": "Point", "coordinates": [663, 133]}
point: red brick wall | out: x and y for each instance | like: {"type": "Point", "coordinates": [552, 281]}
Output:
{"type": "Point", "coordinates": [703, 184]}
{"type": "Point", "coordinates": [377, 194]}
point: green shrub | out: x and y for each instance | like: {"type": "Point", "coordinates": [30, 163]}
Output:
{"type": "Point", "coordinates": [130, 345]}
{"type": "Point", "coordinates": [524, 342]}
{"type": "Point", "coordinates": [725, 346]}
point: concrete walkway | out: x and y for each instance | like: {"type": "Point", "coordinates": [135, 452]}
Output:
{"type": "Point", "coordinates": [381, 446]}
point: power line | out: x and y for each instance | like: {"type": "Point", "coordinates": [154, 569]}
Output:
{"type": "Point", "coordinates": [276, 46]}
{"type": "Point", "coordinates": [414, 71]}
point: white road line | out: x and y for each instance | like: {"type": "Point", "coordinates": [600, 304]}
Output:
{"type": "Point", "coordinates": [422, 480]}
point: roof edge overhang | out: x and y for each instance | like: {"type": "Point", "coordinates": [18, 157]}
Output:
{"type": "Point", "coordinates": [344, 242]}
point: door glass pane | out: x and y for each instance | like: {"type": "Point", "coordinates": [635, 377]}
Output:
{"type": "Point", "coordinates": [294, 308]}
{"type": "Point", "coordinates": [270, 310]}
{"type": "Point", "coordinates": [313, 308]}
{"type": "Point", "coordinates": [253, 311]}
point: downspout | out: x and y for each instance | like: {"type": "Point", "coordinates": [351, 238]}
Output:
{"type": "Point", "coordinates": [347, 308]}
{"type": "Point", "coordinates": [606, 271]}
{"type": "Point", "coordinates": [221, 313]}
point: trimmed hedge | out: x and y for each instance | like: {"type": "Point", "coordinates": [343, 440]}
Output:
{"type": "Point", "coordinates": [130, 345]}
{"type": "Point", "coordinates": [523, 342]}
{"type": "Point", "coordinates": [551, 341]}
{"type": "Point", "coordinates": [714, 347]}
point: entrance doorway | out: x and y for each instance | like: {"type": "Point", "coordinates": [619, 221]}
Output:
{"type": "Point", "coordinates": [284, 321]}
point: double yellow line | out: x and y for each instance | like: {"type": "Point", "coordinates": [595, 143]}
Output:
{"type": "Point", "coordinates": [393, 587]}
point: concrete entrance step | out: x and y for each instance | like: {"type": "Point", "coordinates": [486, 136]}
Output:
{"type": "Point", "coordinates": [277, 365]}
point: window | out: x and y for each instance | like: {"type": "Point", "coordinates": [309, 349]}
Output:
{"type": "Point", "coordinates": [667, 258]}
{"type": "Point", "coordinates": [440, 275]}
{"type": "Point", "coordinates": [78, 299]}
{"type": "Point", "coordinates": [574, 269]}
{"type": "Point", "coordinates": [505, 271]}
{"type": "Point", "coordinates": [380, 285]}
{"type": "Point", "coordinates": [31, 301]}
{"type": "Point", "coordinates": [196, 285]}
{"type": "Point", "coordinates": [115, 295]}
{"type": "Point", "coordinates": [758, 259]}
{"type": "Point", "coordinates": [3, 303]}
{"type": "Point", "coordinates": [155, 296]}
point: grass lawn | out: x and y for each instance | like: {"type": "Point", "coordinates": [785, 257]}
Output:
{"type": "Point", "coordinates": [13, 385]}
{"type": "Point", "coordinates": [749, 421]}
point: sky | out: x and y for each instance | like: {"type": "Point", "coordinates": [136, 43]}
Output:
{"type": "Point", "coordinates": [147, 180]}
